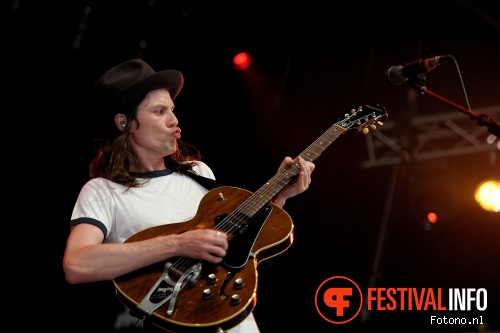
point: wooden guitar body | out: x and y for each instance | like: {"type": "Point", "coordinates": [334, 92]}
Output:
{"type": "Point", "coordinates": [192, 311]}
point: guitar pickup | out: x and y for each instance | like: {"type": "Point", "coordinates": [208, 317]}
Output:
{"type": "Point", "coordinates": [231, 224]}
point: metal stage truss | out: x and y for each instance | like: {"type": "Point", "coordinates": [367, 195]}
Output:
{"type": "Point", "coordinates": [431, 137]}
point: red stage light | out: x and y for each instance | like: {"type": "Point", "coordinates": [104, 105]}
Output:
{"type": "Point", "coordinates": [432, 217]}
{"type": "Point", "coordinates": [242, 60]}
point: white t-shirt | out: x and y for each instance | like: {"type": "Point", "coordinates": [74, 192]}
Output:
{"type": "Point", "coordinates": [164, 198]}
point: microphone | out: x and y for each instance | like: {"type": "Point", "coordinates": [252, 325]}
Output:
{"type": "Point", "coordinates": [400, 74]}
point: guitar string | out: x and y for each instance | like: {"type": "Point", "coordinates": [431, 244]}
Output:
{"type": "Point", "coordinates": [280, 180]}
{"type": "Point", "coordinates": [276, 183]}
{"type": "Point", "coordinates": [252, 203]}
{"type": "Point", "coordinates": [267, 192]}
{"type": "Point", "coordinates": [264, 195]}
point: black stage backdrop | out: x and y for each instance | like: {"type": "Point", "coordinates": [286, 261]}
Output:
{"type": "Point", "coordinates": [362, 216]}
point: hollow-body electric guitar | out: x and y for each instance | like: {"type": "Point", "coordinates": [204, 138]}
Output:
{"type": "Point", "coordinates": [190, 295]}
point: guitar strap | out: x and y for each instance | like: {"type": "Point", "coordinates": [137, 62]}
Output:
{"type": "Point", "coordinates": [207, 183]}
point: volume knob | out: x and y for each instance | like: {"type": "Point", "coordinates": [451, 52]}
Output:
{"type": "Point", "coordinates": [235, 299]}
{"type": "Point", "coordinates": [212, 278]}
{"type": "Point", "coordinates": [238, 283]}
{"type": "Point", "coordinates": [207, 294]}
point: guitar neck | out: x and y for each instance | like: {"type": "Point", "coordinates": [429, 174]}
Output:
{"type": "Point", "coordinates": [359, 119]}
{"type": "Point", "coordinates": [272, 187]}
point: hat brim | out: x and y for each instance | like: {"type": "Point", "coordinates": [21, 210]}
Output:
{"type": "Point", "coordinates": [102, 124]}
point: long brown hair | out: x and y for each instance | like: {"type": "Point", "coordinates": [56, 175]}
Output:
{"type": "Point", "coordinates": [112, 158]}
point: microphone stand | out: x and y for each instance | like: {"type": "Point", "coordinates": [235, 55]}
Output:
{"type": "Point", "coordinates": [418, 84]}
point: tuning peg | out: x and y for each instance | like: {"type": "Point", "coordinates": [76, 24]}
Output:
{"type": "Point", "coordinates": [353, 111]}
{"type": "Point", "coordinates": [373, 126]}
{"type": "Point", "coordinates": [346, 115]}
{"type": "Point", "coordinates": [380, 123]}
{"type": "Point", "coordinates": [366, 130]}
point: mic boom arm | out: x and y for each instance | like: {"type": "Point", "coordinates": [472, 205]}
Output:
{"type": "Point", "coordinates": [482, 119]}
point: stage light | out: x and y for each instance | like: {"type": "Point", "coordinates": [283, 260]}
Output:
{"type": "Point", "coordinates": [242, 60]}
{"type": "Point", "coordinates": [487, 195]}
{"type": "Point", "coordinates": [432, 217]}
{"type": "Point", "coordinates": [430, 220]}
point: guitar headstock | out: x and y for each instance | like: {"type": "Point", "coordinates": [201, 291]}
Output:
{"type": "Point", "coordinates": [365, 116]}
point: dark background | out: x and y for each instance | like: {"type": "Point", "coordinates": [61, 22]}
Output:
{"type": "Point", "coordinates": [312, 64]}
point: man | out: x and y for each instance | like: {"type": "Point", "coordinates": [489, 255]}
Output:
{"type": "Point", "coordinates": [139, 180]}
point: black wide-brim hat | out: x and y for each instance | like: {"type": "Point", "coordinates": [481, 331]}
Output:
{"type": "Point", "coordinates": [125, 83]}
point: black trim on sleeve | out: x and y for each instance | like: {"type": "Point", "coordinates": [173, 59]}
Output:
{"type": "Point", "coordinates": [88, 220]}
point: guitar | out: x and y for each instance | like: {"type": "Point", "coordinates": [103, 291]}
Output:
{"type": "Point", "coordinates": [190, 295]}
